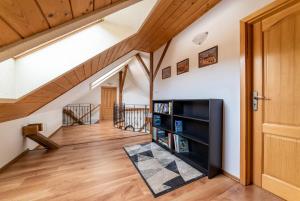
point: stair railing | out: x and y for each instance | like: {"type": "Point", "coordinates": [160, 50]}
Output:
{"type": "Point", "coordinates": [131, 117]}
{"type": "Point", "coordinates": [78, 114]}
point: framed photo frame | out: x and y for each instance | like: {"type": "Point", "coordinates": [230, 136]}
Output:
{"type": "Point", "coordinates": [208, 57]}
{"type": "Point", "coordinates": [183, 66]}
{"type": "Point", "coordinates": [166, 72]}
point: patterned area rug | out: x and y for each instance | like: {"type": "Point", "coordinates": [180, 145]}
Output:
{"type": "Point", "coordinates": [161, 170]}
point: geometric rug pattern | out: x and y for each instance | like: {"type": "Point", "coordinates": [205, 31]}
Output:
{"type": "Point", "coordinates": [161, 170]}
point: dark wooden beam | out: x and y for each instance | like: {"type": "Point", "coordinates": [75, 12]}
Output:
{"type": "Point", "coordinates": [162, 58]}
{"type": "Point", "coordinates": [122, 77]}
{"type": "Point", "coordinates": [139, 58]}
{"type": "Point", "coordinates": [151, 79]}
{"type": "Point", "coordinates": [120, 88]}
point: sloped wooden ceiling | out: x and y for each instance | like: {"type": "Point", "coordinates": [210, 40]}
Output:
{"type": "Point", "coordinates": [167, 19]}
{"type": "Point", "coordinates": [20, 19]}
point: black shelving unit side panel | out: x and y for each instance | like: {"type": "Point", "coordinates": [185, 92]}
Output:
{"type": "Point", "coordinates": [192, 108]}
{"type": "Point", "coordinates": [215, 137]}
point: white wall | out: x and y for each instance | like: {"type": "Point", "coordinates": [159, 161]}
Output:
{"type": "Point", "coordinates": [7, 79]}
{"type": "Point", "coordinates": [221, 80]}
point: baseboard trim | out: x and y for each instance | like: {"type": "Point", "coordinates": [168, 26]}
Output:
{"type": "Point", "coordinates": [14, 160]}
{"type": "Point", "coordinates": [230, 176]}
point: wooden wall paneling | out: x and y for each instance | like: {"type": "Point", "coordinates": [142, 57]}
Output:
{"type": "Point", "coordinates": [95, 63]}
{"type": "Point", "coordinates": [23, 15]}
{"type": "Point", "coordinates": [87, 68]}
{"type": "Point", "coordinates": [163, 17]}
{"type": "Point", "coordinates": [183, 20]}
{"type": "Point", "coordinates": [81, 7]}
{"type": "Point", "coordinates": [56, 11]}
{"type": "Point", "coordinates": [8, 35]}
{"type": "Point", "coordinates": [101, 3]}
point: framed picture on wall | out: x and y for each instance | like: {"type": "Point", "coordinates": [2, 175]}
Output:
{"type": "Point", "coordinates": [166, 72]}
{"type": "Point", "coordinates": [183, 66]}
{"type": "Point", "coordinates": [208, 57]}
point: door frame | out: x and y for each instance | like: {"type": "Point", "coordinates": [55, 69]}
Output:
{"type": "Point", "coordinates": [107, 87]}
{"type": "Point", "coordinates": [246, 83]}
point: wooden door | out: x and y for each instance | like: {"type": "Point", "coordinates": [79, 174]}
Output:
{"type": "Point", "coordinates": [276, 123]}
{"type": "Point", "coordinates": [108, 98]}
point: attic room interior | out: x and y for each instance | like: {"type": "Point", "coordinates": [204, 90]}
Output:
{"type": "Point", "coordinates": [142, 100]}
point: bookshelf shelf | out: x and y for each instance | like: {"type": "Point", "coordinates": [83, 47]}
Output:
{"type": "Point", "coordinates": [163, 128]}
{"type": "Point", "coordinates": [193, 129]}
{"type": "Point", "coordinates": [157, 113]}
{"type": "Point", "coordinates": [191, 137]}
{"type": "Point", "coordinates": [195, 118]}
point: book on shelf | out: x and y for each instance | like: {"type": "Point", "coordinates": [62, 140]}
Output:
{"type": "Point", "coordinates": [169, 139]}
{"type": "Point", "coordinates": [156, 120]}
{"type": "Point", "coordinates": [164, 141]}
{"type": "Point", "coordinates": [154, 134]}
{"type": "Point", "coordinates": [164, 108]}
{"type": "Point", "coordinates": [181, 144]}
{"type": "Point", "coordinates": [178, 126]}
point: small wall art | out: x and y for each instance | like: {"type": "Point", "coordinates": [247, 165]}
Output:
{"type": "Point", "coordinates": [166, 72]}
{"type": "Point", "coordinates": [208, 57]}
{"type": "Point", "coordinates": [183, 66]}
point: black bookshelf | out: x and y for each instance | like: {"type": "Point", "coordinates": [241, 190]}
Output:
{"type": "Point", "coordinates": [202, 127]}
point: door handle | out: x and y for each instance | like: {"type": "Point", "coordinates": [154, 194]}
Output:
{"type": "Point", "coordinates": [256, 97]}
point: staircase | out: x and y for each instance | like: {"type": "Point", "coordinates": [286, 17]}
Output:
{"type": "Point", "coordinates": [32, 131]}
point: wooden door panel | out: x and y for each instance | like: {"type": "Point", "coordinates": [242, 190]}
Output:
{"type": "Point", "coordinates": [281, 110]}
{"type": "Point", "coordinates": [108, 99]}
{"type": "Point", "coordinates": [282, 72]}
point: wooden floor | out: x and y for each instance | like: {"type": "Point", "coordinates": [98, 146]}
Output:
{"type": "Point", "coordinates": [90, 133]}
{"type": "Point", "coordinates": [101, 171]}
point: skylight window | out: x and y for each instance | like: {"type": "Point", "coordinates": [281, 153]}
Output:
{"type": "Point", "coordinates": [38, 67]}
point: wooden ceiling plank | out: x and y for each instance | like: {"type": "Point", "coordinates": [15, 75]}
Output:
{"type": "Point", "coordinates": [87, 68]}
{"type": "Point", "coordinates": [54, 33]}
{"type": "Point", "coordinates": [187, 18]}
{"type": "Point", "coordinates": [79, 71]}
{"type": "Point", "coordinates": [8, 35]}
{"type": "Point", "coordinates": [81, 7]}
{"type": "Point", "coordinates": [140, 60]}
{"type": "Point", "coordinates": [72, 78]}
{"type": "Point", "coordinates": [150, 22]}
{"type": "Point", "coordinates": [173, 18]}
{"type": "Point", "coordinates": [95, 63]}
{"type": "Point", "coordinates": [101, 3]}
{"type": "Point", "coordinates": [102, 59]}
{"type": "Point", "coordinates": [63, 82]}
{"type": "Point", "coordinates": [56, 11]}
{"type": "Point", "coordinates": [24, 16]}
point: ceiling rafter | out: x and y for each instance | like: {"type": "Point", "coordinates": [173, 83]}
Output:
{"type": "Point", "coordinates": [141, 61]}
{"type": "Point", "coordinates": [162, 57]}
